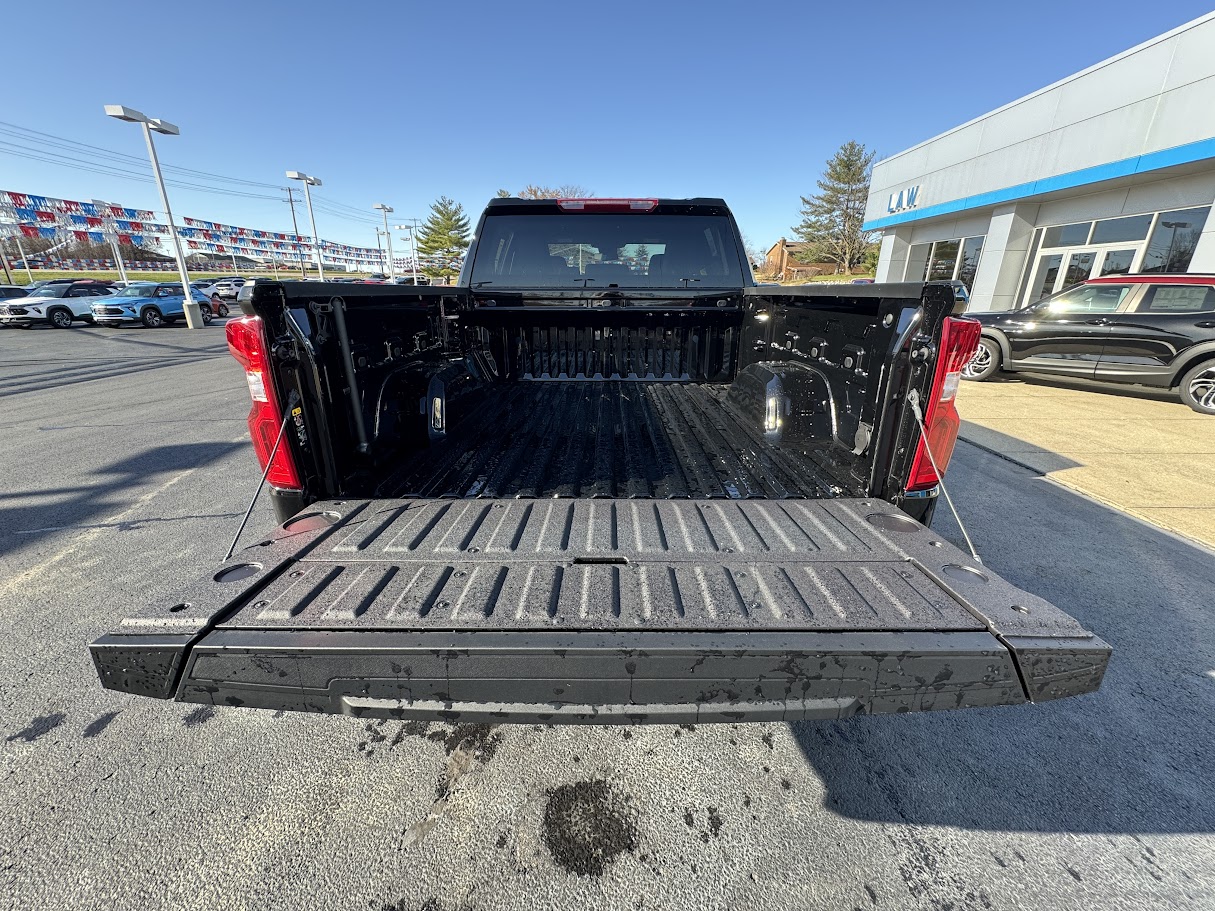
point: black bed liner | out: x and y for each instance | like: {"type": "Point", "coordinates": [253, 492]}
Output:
{"type": "Point", "coordinates": [598, 438]}
{"type": "Point", "coordinates": [604, 610]}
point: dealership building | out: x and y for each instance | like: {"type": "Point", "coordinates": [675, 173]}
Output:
{"type": "Point", "coordinates": [1109, 171]}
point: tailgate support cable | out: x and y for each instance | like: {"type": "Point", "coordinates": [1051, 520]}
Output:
{"type": "Point", "coordinates": [260, 484]}
{"type": "Point", "coordinates": [913, 398]}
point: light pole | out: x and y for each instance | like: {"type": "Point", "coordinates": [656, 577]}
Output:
{"type": "Point", "coordinates": [24, 259]}
{"type": "Point", "coordinates": [392, 266]}
{"type": "Point", "coordinates": [413, 242]}
{"type": "Point", "coordinates": [117, 111]}
{"type": "Point", "coordinates": [8, 276]}
{"type": "Point", "coordinates": [310, 182]}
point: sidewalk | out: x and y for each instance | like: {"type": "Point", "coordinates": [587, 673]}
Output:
{"type": "Point", "coordinates": [1139, 450]}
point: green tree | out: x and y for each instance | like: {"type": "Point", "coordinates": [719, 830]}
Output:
{"type": "Point", "coordinates": [443, 238]}
{"type": "Point", "coordinates": [832, 217]}
{"type": "Point", "coordinates": [503, 194]}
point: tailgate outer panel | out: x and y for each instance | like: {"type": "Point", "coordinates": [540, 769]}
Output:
{"type": "Point", "coordinates": [607, 610]}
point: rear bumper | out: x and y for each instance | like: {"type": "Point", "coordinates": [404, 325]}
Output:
{"type": "Point", "coordinates": [602, 678]}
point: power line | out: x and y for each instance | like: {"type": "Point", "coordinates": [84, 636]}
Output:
{"type": "Point", "coordinates": [98, 167]}
{"type": "Point", "coordinates": [74, 145]}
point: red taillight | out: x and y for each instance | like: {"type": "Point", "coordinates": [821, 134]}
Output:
{"type": "Point", "coordinates": [247, 342]}
{"type": "Point", "coordinates": [608, 205]}
{"type": "Point", "coordinates": [959, 339]}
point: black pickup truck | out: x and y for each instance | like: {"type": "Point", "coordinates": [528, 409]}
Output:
{"type": "Point", "coordinates": [604, 478]}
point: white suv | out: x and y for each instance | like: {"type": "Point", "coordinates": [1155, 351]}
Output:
{"type": "Point", "coordinates": [58, 303]}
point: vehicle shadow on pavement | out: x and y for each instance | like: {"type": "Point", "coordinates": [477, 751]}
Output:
{"type": "Point", "coordinates": [1132, 758]}
{"type": "Point", "coordinates": [1079, 384]}
{"type": "Point", "coordinates": [28, 516]}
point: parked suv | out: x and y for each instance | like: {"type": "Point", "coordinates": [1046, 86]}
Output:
{"type": "Point", "coordinates": [227, 288]}
{"type": "Point", "coordinates": [1151, 330]}
{"type": "Point", "coordinates": [150, 303]}
{"type": "Point", "coordinates": [59, 303]}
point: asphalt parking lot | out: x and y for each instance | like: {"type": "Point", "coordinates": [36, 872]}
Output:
{"type": "Point", "coordinates": [126, 471]}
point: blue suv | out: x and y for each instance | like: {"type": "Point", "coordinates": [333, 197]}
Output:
{"type": "Point", "coordinates": [150, 303]}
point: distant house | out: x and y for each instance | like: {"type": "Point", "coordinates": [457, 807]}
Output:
{"type": "Point", "coordinates": [782, 263]}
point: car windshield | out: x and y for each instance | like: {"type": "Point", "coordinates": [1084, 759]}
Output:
{"type": "Point", "coordinates": [607, 251]}
{"type": "Point", "coordinates": [139, 289]}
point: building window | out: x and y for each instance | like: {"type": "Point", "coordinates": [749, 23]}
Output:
{"type": "Point", "coordinates": [968, 265]}
{"type": "Point", "coordinates": [1121, 230]}
{"type": "Point", "coordinates": [944, 261]}
{"type": "Point", "coordinates": [1173, 241]}
{"type": "Point", "coordinates": [1067, 235]}
{"type": "Point", "coordinates": [1151, 243]}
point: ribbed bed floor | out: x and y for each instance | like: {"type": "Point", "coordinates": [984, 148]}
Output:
{"type": "Point", "coordinates": [606, 439]}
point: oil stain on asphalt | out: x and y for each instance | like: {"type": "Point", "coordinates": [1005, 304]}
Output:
{"type": "Point", "coordinates": [587, 825]}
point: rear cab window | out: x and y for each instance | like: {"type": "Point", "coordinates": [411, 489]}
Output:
{"type": "Point", "coordinates": [607, 250]}
{"type": "Point", "coordinates": [1178, 299]}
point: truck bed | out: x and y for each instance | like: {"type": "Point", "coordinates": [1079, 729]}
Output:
{"type": "Point", "coordinates": [602, 610]}
{"type": "Point", "coordinates": [597, 438]}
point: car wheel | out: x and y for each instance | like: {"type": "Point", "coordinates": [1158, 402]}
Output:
{"type": "Point", "coordinates": [985, 363]}
{"type": "Point", "coordinates": [222, 310]}
{"type": "Point", "coordinates": [60, 318]}
{"type": "Point", "coordinates": [1198, 387]}
{"type": "Point", "coordinates": [207, 315]}
{"type": "Point", "coordinates": [152, 318]}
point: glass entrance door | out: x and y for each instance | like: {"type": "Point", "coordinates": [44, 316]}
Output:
{"type": "Point", "coordinates": [1056, 271]}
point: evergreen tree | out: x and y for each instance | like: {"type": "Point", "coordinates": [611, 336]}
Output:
{"type": "Point", "coordinates": [503, 194]}
{"type": "Point", "coordinates": [444, 237]}
{"type": "Point", "coordinates": [832, 218]}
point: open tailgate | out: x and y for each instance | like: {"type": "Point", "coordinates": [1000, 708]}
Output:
{"type": "Point", "coordinates": [603, 610]}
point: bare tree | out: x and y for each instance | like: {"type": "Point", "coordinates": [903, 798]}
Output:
{"type": "Point", "coordinates": [565, 191]}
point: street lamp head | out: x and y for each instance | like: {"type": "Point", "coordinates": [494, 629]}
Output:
{"type": "Point", "coordinates": [163, 126]}
{"type": "Point", "coordinates": [300, 175]}
{"type": "Point", "coordinates": [383, 208]}
{"type": "Point", "coordinates": [130, 115]}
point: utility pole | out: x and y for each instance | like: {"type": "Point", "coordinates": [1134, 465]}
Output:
{"type": "Point", "coordinates": [295, 227]}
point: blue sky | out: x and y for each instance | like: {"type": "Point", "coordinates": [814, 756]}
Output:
{"type": "Point", "coordinates": [405, 102]}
